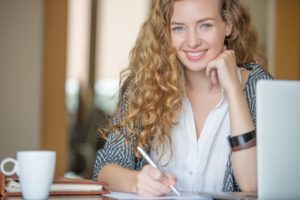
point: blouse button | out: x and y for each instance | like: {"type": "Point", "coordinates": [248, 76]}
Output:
{"type": "Point", "coordinates": [191, 172]}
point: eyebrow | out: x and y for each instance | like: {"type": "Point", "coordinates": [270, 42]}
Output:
{"type": "Point", "coordinates": [199, 21]}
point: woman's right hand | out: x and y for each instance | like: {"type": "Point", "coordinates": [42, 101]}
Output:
{"type": "Point", "coordinates": [152, 182]}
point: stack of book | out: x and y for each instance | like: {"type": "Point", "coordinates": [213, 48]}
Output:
{"type": "Point", "coordinates": [10, 186]}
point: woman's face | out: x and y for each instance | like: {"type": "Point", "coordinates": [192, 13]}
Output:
{"type": "Point", "coordinates": [197, 32]}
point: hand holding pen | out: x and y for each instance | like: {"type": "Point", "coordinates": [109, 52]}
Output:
{"type": "Point", "coordinates": [149, 160]}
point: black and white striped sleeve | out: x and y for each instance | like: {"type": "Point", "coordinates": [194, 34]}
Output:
{"type": "Point", "coordinates": [116, 151]}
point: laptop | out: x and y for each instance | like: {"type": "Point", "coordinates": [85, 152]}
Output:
{"type": "Point", "coordinates": [278, 139]}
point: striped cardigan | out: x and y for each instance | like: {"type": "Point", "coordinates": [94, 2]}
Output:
{"type": "Point", "coordinates": [120, 152]}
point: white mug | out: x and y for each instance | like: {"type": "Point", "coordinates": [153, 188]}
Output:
{"type": "Point", "coordinates": [35, 170]}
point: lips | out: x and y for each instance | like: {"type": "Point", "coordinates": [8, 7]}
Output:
{"type": "Point", "coordinates": [195, 55]}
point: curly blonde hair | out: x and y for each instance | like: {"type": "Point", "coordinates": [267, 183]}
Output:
{"type": "Point", "coordinates": [152, 86]}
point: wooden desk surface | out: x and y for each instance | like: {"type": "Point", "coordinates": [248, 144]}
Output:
{"type": "Point", "coordinates": [69, 197]}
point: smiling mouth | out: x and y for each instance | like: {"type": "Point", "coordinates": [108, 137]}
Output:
{"type": "Point", "coordinates": [196, 55]}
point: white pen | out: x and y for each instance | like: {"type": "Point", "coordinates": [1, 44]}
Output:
{"type": "Point", "coordinates": [150, 161]}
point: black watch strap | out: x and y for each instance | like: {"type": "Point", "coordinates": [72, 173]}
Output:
{"type": "Point", "coordinates": [241, 140]}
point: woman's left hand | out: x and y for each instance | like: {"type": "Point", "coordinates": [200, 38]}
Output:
{"type": "Point", "coordinates": [223, 69]}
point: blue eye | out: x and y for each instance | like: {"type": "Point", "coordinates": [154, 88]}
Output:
{"type": "Point", "coordinates": [205, 26]}
{"type": "Point", "coordinates": [177, 29]}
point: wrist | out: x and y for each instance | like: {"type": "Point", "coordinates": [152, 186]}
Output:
{"type": "Point", "coordinates": [134, 189]}
{"type": "Point", "coordinates": [134, 186]}
{"type": "Point", "coordinates": [243, 141]}
{"type": "Point", "coordinates": [236, 98]}
{"type": "Point", "coordinates": [234, 91]}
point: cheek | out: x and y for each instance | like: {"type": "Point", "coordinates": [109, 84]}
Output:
{"type": "Point", "coordinates": [216, 38]}
{"type": "Point", "coordinates": [177, 41]}
{"type": "Point", "coordinates": [217, 41]}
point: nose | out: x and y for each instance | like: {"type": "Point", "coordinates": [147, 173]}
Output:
{"type": "Point", "coordinates": [193, 39]}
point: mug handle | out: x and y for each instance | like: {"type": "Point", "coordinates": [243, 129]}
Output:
{"type": "Point", "coordinates": [13, 171]}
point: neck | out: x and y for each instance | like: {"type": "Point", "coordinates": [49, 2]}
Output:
{"type": "Point", "coordinates": [199, 82]}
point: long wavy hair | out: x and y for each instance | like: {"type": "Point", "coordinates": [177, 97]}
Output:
{"type": "Point", "coordinates": [152, 86]}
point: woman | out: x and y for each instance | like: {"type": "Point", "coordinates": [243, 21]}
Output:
{"type": "Point", "coordinates": [189, 86]}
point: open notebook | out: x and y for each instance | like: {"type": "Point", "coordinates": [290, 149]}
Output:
{"type": "Point", "coordinates": [9, 186]}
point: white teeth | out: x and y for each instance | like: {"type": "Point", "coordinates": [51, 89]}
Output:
{"type": "Point", "coordinates": [196, 54]}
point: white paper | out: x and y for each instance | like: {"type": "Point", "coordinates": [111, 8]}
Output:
{"type": "Point", "coordinates": [184, 195]}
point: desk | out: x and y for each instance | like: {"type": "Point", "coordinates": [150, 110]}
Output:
{"type": "Point", "coordinates": [215, 196]}
{"type": "Point", "coordinates": [70, 197]}
{"type": "Point", "coordinates": [232, 195]}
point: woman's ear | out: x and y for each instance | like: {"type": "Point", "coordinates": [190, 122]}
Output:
{"type": "Point", "coordinates": [228, 29]}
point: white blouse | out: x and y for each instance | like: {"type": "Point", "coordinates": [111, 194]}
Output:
{"type": "Point", "coordinates": [199, 165]}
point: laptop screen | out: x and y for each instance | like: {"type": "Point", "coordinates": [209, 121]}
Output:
{"type": "Point", "coordinates": [278, 139]}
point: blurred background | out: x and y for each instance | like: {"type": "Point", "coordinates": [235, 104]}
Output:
{"type": "Point", "coordinates": [60, 61]}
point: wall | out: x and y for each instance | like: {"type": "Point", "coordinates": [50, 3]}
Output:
{"type": "Point", "coordinates": [257, 9]}
{"type": "Point", "coordinates": [263, 15]}
{"type": "Point", "coordinates": [118, 26]}
{"type": "Point", "coordinates": [21, 36]}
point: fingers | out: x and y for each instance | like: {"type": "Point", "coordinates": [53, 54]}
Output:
{"type": "Point", "coordinates": [152, 182]}
{"type": "Point", "coordinates": [171, 179]}
{"type": "Point", "coordinates": [214, 77]}
{"type": "Point", "coordinates": [150, 187]}
{"type": "Point", "coordinates": [222, 68]}
{"type": "Point", "coordinates": [211, 71]}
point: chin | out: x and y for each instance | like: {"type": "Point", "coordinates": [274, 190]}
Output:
{"type": "Point", "coordinates": [195, 67]}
